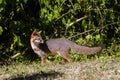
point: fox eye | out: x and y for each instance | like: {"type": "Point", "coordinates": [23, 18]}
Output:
{"type": "Point", "coordinates": [36, 34]}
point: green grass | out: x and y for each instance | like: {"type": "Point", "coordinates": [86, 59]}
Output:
{"type": "Point", "coordinates": [103, 68]}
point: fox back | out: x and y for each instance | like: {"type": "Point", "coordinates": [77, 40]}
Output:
{"type": "Point", "coordinates": [64, 45]}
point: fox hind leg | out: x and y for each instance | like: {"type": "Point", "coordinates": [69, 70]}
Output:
{"type": "Point", "coordinates": [66, 56]}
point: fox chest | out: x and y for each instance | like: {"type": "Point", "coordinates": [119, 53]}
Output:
{"type": "Point", "coordinates": [34, 47]}
{"type": "Point", "coordinates": [39, 50]}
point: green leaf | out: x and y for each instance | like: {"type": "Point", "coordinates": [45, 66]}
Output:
{"type": "Point", "coordinates": [1, 1]}
{"type": "Point", "coordinates": [1, 30]}
{"type": "Point", "coordinates": [25, 1]}
{"type": "Point", "coordinates": [46, 2]}
{"type": "Point", "coordinates": [97, 37]}
{"type": "Point", "coordinates": [64, 21]}
{"type": "Point", "coordinates": [84, 24]}
{"type": "Point", "coordinates": [118, 53]}
{"type": "Point", "coordinates": [58, 1]}
{"type": "Point", "coordinates": [16, 42]}
{"type": "Point", "coordinates": [56, 14]}
{"type": "Point", "coordinates": [76, 6]}
{"type": "Point", "coordinates": [88, 37]}
{"type": "Point", "coordinates": [50, 17]}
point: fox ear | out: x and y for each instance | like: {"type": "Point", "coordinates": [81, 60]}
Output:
{"type": "Point", "coordinates": [33, 33]}
{"type": "Point", "coordinates": [40, 32]}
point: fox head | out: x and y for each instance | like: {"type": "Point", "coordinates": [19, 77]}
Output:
{"type": "Point", "coordinates": [36, 38]}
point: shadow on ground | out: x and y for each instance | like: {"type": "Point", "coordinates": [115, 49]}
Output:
{"type": "Point", "coordinates": [39, 76]}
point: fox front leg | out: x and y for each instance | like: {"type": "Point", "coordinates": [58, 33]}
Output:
{"type": "Point", "coordinates": [43, 59]}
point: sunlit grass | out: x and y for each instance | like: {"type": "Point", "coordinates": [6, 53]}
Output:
{"type": "Point", "coordinates": [106, 68]}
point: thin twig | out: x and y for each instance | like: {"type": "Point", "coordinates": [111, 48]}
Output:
{"type": "Point", "coordinates": [14, 56]}
{"type": "Point", "coordinates": [66, 14]}
{"type": "Point", "coordinates": [71, 4]}
{"type": "Point", "coordinates": [109, 24]}
{"type": "Point", "coordinates": [61, 4]}
{"type": "Point", "coordinates": [104, 10]}
{"type": "Point", "coordinates": [81, 33]}
{"type": "Point", "coordinates": [77, 21]}
{"type": "Point", "coordinates": [63, 15]}
{"type": "Point", "coordinates": [94, 29]}
{"type": "Point", "coordinates": [22, 6]}
{"type": "Point", "coordinates": [100, 15]}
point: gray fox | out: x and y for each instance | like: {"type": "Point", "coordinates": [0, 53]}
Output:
{"type": "Point", "coordinates": [59, 46]}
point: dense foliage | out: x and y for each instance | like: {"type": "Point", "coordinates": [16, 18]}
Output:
{"type": "Point", "coordinates": [87, 22]}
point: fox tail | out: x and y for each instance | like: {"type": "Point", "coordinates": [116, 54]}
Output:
{"type": "Point", "coordinates": [85, 49]}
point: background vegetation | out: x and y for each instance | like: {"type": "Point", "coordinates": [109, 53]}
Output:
{"type": "Point", "coordinates": [86, 22]}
